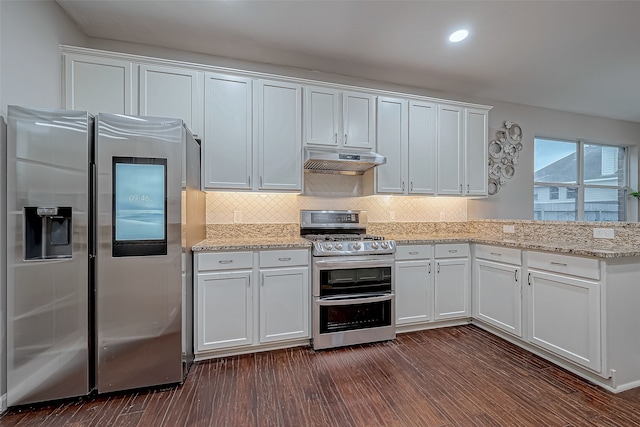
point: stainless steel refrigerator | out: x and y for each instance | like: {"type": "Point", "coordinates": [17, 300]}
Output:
{"type": "Point", "coordinates": [101, 213]}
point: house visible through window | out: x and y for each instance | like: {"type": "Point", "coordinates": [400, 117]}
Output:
{"type": "Point", "coordinates": [575, 180]}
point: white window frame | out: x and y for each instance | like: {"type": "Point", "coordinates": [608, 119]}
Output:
{"type": "Point", "coordinates": [580, 184]}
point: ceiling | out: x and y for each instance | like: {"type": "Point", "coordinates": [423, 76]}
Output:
{"type": "Point", "coordinates": [579, 56]}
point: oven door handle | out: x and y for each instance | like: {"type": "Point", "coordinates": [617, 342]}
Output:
{"type": "Point", "coordinates": [351, 263]}
{"type": "Point", "coordinates": [351, 299]}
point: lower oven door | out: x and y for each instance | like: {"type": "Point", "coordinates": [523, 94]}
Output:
{"type": "Point", "coordinates": [356, 319]}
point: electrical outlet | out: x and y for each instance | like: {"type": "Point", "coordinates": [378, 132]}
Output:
{"type": "Point", "coordinates": [603, 233]}
{"type": "Point", "coordinates": [392, 216]}
{"type": "Point", "coordinates": [508, 228]}
{"type": "Point", "coordinates": [237, 217]}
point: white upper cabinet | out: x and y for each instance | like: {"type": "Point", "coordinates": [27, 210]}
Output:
{"type": "Point", "coordinates": [359, 120]}
{"type": "Point", "coordinates": [422, 147]}
{"type": "Point", "coordinates": [476, 134]}
{"type": "Point", "coordinates": [172, 92]}
{"type": "Point", "coordinates": [228, 147]}
{"type": "Point", "coordinates": [99, 85]}
{"type": "Point", "coordinates": [451, 149]}
{"type": "Point", "coordinates": [392, 142]}
{"type": "Point", "coordinates": [322, 116]}
{"type": "Point", "coordinates": [407, 137]}
{"type": "Point", "coordinates": [337, 118]}
{"type": "Point", "coordinates": [278, 108]}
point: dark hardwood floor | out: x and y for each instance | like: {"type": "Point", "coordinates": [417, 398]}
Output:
{"type": "Point", "coordinates": [460, 376]}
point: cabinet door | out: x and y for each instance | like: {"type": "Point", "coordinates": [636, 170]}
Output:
{"type": "Point", "coordinates": [451, 289]}
{"type": "Point", "coordinates": [321, 116]}
{"type": "Point", "coordinates": [450, 149]}
{"type": "Point", "coordinates": [284, 304]}
{"type": "Point", "coordinates": [99, 85]}
{"type": "Point", "coordinates": [172, 92]}
{"type": "Point", "coordinates": [413, 291]}
{"type": "Point", "coordinates": [358, 120]}
{"type": "Point", "coordinates": [227, 159]}
{"type": "Point", "coordinates": [279, 112]}
{"type": "Point", "coordinates": [392, 143]}
{"type": "Point", "coordinates": [476, 134]}
{"type": "Point", "coordinates": [498, 299]}
{"type": "Point", "coordinates": [224, 316]}
{"type": "Point", "coordinates": [422, 148]}
{"type": "Point", "coordinates": [564, 317]}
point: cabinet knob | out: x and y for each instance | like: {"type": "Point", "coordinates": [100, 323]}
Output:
{"type": "Point", "coordinates": [335, 138]}
{"type": "Point", "coordinates": [225, 261]}
{"type": "Point", "coordinates": [284, 259]}
{"type": "Point", "coordinates": [345, 139]}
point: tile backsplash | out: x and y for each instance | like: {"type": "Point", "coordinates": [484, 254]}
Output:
{"type": "Point", "coordinates": [327, 191]}
{"type": "Point", "coordinates": [258, 208]}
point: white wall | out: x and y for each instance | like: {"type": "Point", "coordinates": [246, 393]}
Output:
{"type": "Point", "coordinates": [30, 62]}
{"type": "Point", "coordinates": [30, 75]}
{"type": "Point", "coordinates": [515, 198]}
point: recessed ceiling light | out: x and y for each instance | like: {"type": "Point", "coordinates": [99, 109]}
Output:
{"type": "Point", "coordinates": [458, 36]}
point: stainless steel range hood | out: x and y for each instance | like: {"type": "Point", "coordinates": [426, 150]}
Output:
{"type": "Point", "coordinates": [336, 161]}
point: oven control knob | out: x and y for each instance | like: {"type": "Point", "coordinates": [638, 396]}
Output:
{"type": "Point", "coordinates": [328, 246]}
{"type": "Point", "coordinates": [384, 245]}
{"type": "Point", "coordinates": [357, 246]}
{"type": "Point", "coordinates": [374, 245]}
{"type": "Point", "coordinates": [339, 246]}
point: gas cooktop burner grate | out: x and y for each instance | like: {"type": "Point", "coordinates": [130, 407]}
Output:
{"type": "Point", "coordinates": [341, 237]}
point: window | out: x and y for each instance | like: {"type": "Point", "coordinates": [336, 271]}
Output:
{"type": "Point", "coordinates": [575, 180]}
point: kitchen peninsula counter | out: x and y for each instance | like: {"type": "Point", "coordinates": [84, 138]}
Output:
{"type": "Point", "coordinates": [599, 250]}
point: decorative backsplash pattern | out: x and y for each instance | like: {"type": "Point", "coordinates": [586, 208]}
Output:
{"type": "Point", "coordinates": [259, 208]}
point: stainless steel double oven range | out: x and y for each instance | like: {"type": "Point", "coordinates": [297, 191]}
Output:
{"type": "Point", "coordinates": [353, 279]}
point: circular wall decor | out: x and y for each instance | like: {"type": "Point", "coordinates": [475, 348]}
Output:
{"type": "Point", "coordinates": [503, 155]}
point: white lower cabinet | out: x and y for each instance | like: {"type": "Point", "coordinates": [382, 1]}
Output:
{"type": "Point", "coordinates": [224, 310]}
{"type": "Point", "coordinates": [452, 285]}
{"type": "Point", "coordinates": [284, 304]}
{"type": "Point", "coordinates": [414, 284]}
{"type": "Point", "coordinates": [497, 290]}
{"type": "Point", "coordinates": [247, 299]}
{"type": "Point", "coordinates": [564, 317]}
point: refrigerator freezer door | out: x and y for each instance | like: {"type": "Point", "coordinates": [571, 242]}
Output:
{"type": "Point", "coordinates": [138, 281]}
{"type": "Point", "coordinates": [47, 254]}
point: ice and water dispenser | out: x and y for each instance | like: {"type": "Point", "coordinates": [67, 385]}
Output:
{"type": "Point", "coordinates": [47, 233]}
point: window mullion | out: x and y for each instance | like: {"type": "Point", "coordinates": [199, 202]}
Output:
{"type": "Point", "coordinates": [580, 181]}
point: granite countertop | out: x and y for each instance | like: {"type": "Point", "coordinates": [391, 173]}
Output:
{"type": "Point", "coordinates": [251, 243]}
{"type": "Point", "coordinates": [598, 250]}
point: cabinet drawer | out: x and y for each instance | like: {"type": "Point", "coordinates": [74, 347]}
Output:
{"type": "Point", "coordinates": [565, 264]}
{"type": "Point", "coordinates": [224, 260]}
{"type": "Point", "coordinates": [453, 250]}
{"type": "Point", "coordinates": [413, 252]}
{"type": "Point", "coordinates": [284, 258]}
{"type": "Point", "coordinates": [500, 254]}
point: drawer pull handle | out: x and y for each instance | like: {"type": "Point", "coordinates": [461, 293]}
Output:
{"type": "Point", "coordinates": [225, 261]}
{"type": "Point", "coordinates": [559, 263]}
{"type": "Point", "coordinates": [284, 258]}
{"type": "Point", "coordinates": [453, 251]}
{"type": "Point", "coordinates": [413, 253]}
{"type": "Point", "coordinates": [496, 253]}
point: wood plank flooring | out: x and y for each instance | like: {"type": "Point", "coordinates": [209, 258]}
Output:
{"type": "Point", "coordinates": [459, 376]}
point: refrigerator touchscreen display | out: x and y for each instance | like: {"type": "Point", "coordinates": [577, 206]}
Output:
{"type": "Point", "coordinates": [139, 206]}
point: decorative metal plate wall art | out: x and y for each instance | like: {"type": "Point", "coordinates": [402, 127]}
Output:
{"type": "Point", "coordinates": [503, 155]}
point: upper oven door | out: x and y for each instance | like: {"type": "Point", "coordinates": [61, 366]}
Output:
{"type": "Point", "coordinates": [352, 275]}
